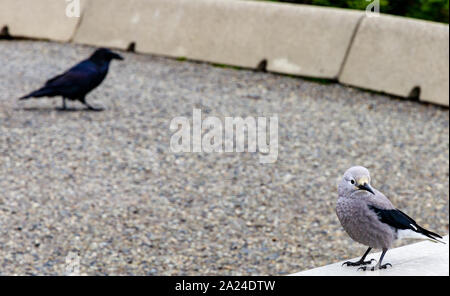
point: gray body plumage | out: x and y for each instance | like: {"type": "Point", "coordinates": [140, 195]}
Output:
{"type": "Point", "coordinates": [361, 223]}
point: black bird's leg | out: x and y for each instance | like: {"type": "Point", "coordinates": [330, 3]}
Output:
{"type": "Point", "coordinates": [361, 261]}
{"type": "Point", "coordinates": [378, 266]}
{"type": "Point", "coordinates": [63, 104]}
{"type": "Point", "coordinates": [83, 100]}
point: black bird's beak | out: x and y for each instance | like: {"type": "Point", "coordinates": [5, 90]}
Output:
{"type": "Point", "coordinates": [366, 187]}
{"type": "Point", "coordinates": [116, 56]}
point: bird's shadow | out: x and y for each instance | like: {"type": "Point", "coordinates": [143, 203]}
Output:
{"type": "Point", "coordinates": [59, 110]}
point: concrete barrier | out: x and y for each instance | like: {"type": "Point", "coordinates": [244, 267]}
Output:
{"type": "Point", "coordinates": [294, 39]}
{"type": "Point", "coordinates": [395, 55]}
{"type": "Point", "coordinates": [419, 259]}
{"type": "Point", "coordinates": [42, 19]}
{"type": "Point", "coordinates": [400, 56]}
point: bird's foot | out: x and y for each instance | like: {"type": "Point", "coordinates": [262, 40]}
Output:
{"type": "Point", "coordinates": [384, 266]}
{"type": "Point", "coordinates": [373, 268]}
{"type": "Point", "coordinates": [358, 263]}
{"type": "Point", "coordinates": [65, 109]}
{"type": "Point", "coordinates": [90, 108]}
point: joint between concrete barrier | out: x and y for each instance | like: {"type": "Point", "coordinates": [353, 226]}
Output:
{"type": "Point", "coordinates": [350, 45]}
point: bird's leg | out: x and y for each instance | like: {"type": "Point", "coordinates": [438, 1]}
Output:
{"type": "Point", "coordinates": [64, 105]}
{"type": "Point", "coordinates": [83, 100]}
{"type": "Point", "coordinates": [378, 266]}
{"type": "Point", "coordinates": [361, 261]}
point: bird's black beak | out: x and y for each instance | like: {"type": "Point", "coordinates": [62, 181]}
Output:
{"type": "Point", "coordinates": [116, 56]}
{"type": "Point", "coordinates": [366, 187]}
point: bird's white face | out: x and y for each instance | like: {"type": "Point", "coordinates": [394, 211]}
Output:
{"type": "Point", "coordinates": [355, 179]}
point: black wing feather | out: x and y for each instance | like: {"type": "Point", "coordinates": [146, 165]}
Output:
{"type": "Point", "coordinates": [74, 83]}
{"type": "Point", "coordinates": [400, 220]}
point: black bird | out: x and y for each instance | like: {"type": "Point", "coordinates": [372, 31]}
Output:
{"type": "Point", "coordinates": [79, 80]}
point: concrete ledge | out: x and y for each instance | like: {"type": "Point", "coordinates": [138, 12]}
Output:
{"type": "Point", "coordinates": [42, 19]}
{"type": "Point", "coordinates": [396, 55]}
{"type": "Point", "coordinates": [419, 259]}
{"type": "Point", "coordinates": [294, 39]}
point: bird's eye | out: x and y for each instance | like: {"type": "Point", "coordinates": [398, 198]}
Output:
{"type": "Point", "coordinates": [352, 181]}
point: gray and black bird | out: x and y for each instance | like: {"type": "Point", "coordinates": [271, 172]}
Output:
{"type": "Point", "coordinates": [371, 219]}
{"type": "Point", "coordinates": [78, 81]}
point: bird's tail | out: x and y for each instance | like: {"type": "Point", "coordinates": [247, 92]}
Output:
{"type": "Point", "coordinates": [421, 233]}
{"type": "Point", "coordinates": [431, 235]}
{"type": "Point", "coordinates": [25, 97]}
{"type": "Point", "coordinates": [43, 92]}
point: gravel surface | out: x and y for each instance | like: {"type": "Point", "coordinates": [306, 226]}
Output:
{"type": "Point", "coordinates": [105, 184]}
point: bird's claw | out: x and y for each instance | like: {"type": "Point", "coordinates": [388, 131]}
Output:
{"type": "Point", "coordinates": [373, 268]}
{"type": "Point", "coordinates": [358, 263]}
